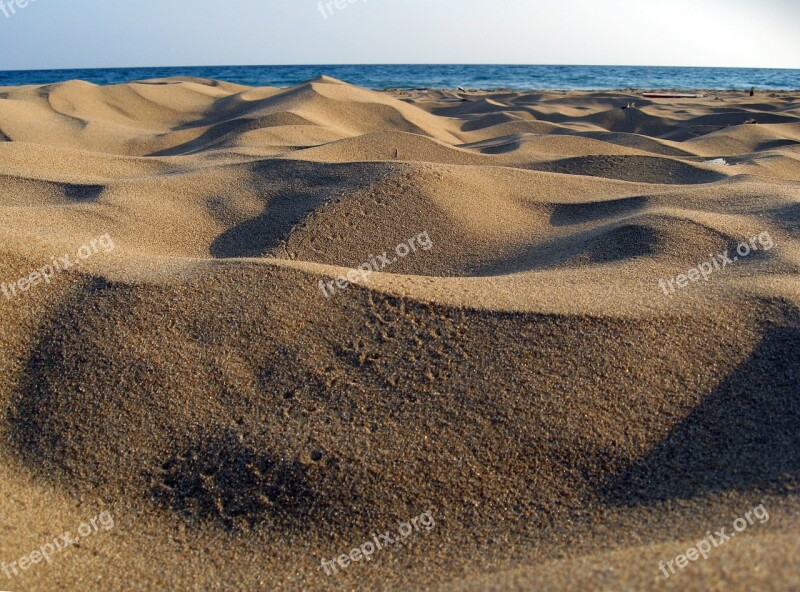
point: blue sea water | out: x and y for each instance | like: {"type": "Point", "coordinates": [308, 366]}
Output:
{"type": "Point", "coordinates": [445, 76]}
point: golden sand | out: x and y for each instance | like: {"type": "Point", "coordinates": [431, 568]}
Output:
{"type": "Point", "coordinates": [568, 422]}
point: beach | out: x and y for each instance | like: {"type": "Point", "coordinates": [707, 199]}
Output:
{"type": "Point", "coordinates": [332, 338]}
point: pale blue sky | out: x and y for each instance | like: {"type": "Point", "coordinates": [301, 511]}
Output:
{"type": "Point", "coordinates": [125, 33]}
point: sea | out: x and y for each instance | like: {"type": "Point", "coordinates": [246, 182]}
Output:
{"type": "Point", "coordinates": [516, 77]}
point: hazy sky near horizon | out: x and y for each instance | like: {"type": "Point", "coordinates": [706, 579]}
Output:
{"type": "Point", "coordinates": [96, 34]}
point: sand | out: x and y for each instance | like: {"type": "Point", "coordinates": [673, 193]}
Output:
{"type": "Point", "coordinates": [519, 375]}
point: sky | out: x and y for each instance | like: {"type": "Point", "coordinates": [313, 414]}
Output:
{"type": "Point", "coordinates": [52, 34]}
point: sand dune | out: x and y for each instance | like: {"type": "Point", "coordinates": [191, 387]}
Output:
{"type": "Point", "coordinates": [568, 421]}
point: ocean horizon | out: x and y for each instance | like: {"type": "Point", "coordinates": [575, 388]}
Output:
{"type": "Point", "coordinates": [484, 77]}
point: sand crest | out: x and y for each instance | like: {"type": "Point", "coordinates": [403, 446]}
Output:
{"type": "Point", "coordinates": [544, 349]}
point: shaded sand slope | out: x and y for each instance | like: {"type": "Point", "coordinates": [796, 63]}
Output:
{"type": "Point", "coordinates": [525, 378]}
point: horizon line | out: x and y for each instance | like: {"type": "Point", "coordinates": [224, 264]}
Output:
{"type": "Point", "coordinates": [398, 64]}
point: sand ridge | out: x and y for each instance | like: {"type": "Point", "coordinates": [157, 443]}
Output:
{"type": "Point", "coordinates": [527, 380]}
